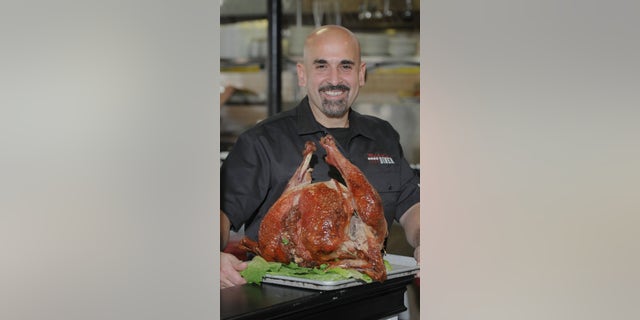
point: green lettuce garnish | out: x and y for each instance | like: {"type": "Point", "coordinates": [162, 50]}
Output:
{"type": "Point", "coordinates": [258, 267]}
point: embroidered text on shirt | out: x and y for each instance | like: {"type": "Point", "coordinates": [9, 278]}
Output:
{"type": "Point", "coordinates": [380, 158]}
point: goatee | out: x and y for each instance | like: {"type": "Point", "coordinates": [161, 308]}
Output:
{"type": "Point", "coordinates": [334, 108]}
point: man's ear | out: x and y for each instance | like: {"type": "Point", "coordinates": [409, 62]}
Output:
{"type": "Point", "coordinates": [363, 73]}
{"type": "Point", "coordinates": [302, 80]}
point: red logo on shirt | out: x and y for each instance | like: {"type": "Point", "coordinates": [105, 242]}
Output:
{"type": "Point", "coordinates": [380, 158]}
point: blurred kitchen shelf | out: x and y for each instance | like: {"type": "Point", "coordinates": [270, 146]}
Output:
{"type": "Point", "coordinates": [349, 20]}
{"type": "Point", "coordinates": [353, 23]}
{"type": "Point", "coordinates": [242, 64]}
{"type": "Point", "coordinates": [351, 14]}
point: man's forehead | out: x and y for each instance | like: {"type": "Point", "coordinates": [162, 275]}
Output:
{"type": "Point", "coordinates": [332, 51]}
{"type": "Point", "coordinates": [332, 56]}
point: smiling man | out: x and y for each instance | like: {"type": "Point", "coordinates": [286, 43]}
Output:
{"type": "Point", "coordinates": [264, 158]}
{"type": "Point", "coordinates": [332, 73]}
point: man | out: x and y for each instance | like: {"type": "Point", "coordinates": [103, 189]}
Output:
{"type": "Point", "coordinates": [264, 157]}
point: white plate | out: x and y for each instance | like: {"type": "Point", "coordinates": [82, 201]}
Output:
{"type": "Point", "coordinates": [400, 266]}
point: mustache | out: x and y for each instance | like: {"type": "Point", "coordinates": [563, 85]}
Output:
{"type": "Point", "coordinates": [336, 87]}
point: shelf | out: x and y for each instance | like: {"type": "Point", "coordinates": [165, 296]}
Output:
{"type": "Point", "coordinates": [242, 64]}
{"type": "Point", "coordinates": [349, 21]}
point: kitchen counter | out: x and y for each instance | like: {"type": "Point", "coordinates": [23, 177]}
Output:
{"type": "Point", "coordinates": [270, 301]}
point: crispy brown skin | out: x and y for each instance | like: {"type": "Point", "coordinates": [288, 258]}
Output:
{"type": "Point", "coordinates": [325, 222]}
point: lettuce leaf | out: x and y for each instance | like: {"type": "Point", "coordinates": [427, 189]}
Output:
{"type": "Point", "coordinates": [258, 267]}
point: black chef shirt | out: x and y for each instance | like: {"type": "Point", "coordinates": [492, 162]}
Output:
{"type": "Point", "coordinates": [263, 159]}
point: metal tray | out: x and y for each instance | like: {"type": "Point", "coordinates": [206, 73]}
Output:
{"type": "Point", "coordinates": [400, 266]}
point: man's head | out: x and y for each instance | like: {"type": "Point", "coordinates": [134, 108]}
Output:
{"type": "Point", "coordinates": [331, 71]}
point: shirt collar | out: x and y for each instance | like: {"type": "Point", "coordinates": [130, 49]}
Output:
{"type": "Point", "coordinates": [307, 124]}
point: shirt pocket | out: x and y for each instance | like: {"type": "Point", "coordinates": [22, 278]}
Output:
{"type": "Point", "coordinates": [386, 180]}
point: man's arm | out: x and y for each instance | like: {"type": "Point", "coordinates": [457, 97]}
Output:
{"type": "Point", "coordinates": [230, 266]}
{"type": "Point", "coordinates": [410, 222]}
{"type": "Point", "coordinates": [225, 226]}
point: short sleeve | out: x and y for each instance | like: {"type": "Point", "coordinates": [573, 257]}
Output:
{"type": "Point", "coordinates": [244, 179]}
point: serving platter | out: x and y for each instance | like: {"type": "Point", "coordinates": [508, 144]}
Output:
{"type": "Point", "coordinates": [400, 266]}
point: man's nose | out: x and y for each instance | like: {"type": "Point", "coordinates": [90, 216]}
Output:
{"type": "Point", "coordinates": [334, 76]}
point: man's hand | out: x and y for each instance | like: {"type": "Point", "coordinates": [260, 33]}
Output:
{"type": "Point", "coordinates": [230, 268]}
{"type": "Point", "coordinates": [410, 221]}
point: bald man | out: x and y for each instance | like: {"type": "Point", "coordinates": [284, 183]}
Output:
{"type": "Point", "coordinates": [264, 158]}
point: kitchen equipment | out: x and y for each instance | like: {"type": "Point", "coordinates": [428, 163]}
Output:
{"type": "Point", "coordinates": [364, 11]}
{"type": "Point", "coordinates": [338, 14]}
{"type": "Point", "coordinates": [387, 10]}
{"type": "Point", "coordinates": [407, 14]}
{"type": "Point", "coordinates": [377, 14]}
{"type": "Point", "coordinates": [318, 12]}
{"type": "Point", "coordinates": [299, 13]}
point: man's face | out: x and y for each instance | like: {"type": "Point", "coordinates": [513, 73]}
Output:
{"type": "Point", "coordinates": [332, 74]}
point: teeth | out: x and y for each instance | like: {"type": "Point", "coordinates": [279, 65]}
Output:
{"type": "Point", "coordinates": [333, 93]}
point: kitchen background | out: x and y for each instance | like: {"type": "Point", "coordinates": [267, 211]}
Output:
{"type": "Point", "coordinates": [388, 31]}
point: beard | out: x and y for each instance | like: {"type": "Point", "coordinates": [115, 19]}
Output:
{"type": "Point", "coordinates": [335, 108]}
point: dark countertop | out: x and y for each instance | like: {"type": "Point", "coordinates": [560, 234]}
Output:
{"type": "Point", "coordinates": [270, 301]}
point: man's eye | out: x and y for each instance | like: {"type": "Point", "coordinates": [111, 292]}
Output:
{"type": "Point", "coordinates": [321, 66]}
{"type": "Point", "coordinates": [347, 67]}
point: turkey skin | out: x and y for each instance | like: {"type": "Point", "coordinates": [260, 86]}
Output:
{"type": "Point", "coordinates": [325, 222]}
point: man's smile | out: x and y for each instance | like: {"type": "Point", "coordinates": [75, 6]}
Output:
{"type": "Point", "coordinates": [334, 91]}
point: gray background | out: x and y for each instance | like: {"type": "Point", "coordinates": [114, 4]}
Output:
{"type": "Point", "coordinates": [530, 157]}
{"type": "Point", "coordinates": [109, 157]}
{"type": "Point", "coordinates": [108, 143]}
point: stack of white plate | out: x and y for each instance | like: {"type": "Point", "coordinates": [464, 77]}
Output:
{"type": "Point", "coordinates": [236, 39]}
{"type": "Point", "coordinates": [373, 44]}
{"type": "Point", "coordinates": [402, 46]}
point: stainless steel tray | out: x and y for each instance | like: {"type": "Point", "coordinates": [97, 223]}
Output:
{"type": "Point", "coordinates": [400, 266]}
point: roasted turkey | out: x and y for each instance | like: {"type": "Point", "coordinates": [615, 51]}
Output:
{"type": "Point", "coordinates": [325, 222]}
